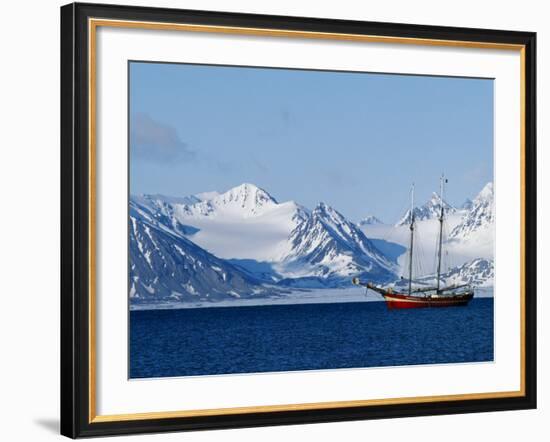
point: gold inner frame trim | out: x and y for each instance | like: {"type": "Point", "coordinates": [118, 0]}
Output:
{"type": "Point", "coordinates": [93, 24]}
{"type": "Point", "coordinates": [305, 406]}
{"type": "Point", "coordinates": [300, 34]}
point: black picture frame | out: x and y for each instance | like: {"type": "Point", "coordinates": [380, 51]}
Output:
{"type": "Point", "coordinates": [75, 221]}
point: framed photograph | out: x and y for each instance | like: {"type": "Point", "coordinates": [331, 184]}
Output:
{"type": "Point", "coordinates": [275, 220]}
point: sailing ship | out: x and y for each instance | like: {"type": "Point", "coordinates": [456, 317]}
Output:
{"type": "Point", "coordinates": [436, 296]}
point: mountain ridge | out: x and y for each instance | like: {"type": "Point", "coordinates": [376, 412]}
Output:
{"type": "Point", "coordinates": [479, 217]}
{"type": "Point", "coordinates": [429, 210]}
{"type": "Point", "coordinates": [369, 220]}
{"type": "Point", "coordinates": [328, 245]}
{"type": "Point", "coordinates": [263, 246]}
{"type": "Point", "coordinates": [165, 266]}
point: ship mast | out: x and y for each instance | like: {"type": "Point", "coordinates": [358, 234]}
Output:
{"type": "Point", "coordinates": [411, 218]}
{"type": "Point", "coordinates": [442, 180]}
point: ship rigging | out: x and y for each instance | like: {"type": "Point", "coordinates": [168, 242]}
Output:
{"type": "Point", "coordinates": [436, 296]}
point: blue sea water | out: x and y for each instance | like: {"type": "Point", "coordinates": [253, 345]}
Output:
{"type": "Point", "coordinates": [270, 338]}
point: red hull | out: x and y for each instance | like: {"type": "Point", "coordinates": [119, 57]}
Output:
{"type": "Point", "coordinates": [399, 301]}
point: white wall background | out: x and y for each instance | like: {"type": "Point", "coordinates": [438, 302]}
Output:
{"type": "Point", "coordinates": [29, 219]}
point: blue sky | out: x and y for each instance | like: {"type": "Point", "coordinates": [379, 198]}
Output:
{"type": "Point", "coordinates": [353, 140]}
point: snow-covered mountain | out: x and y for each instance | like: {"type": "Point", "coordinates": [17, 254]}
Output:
{"type": "Point", "coordinates": [369, 220]}
{"type": "Point", "coordinates": [267, 241]}
{"type": "Point", "coordinates": [244, 243]}
{"type": "Point", "coordinates": [479, 218]}
{"type": "Point", "coordinates": [479, 272]}
{"type": "Point", "coordinates": [326, 245]}
{"type": "Point", "coordinates": [245, 201]}
{"type": "Point", "coordinates": [159, 211]}
{"type": "Point", "coordinates": [467, 234]}
{"type": "Point", "coordinates": [244, 222]}
{"type": "Point", "coordinates": [156, 199]}
{"type": "Point", "coordinates": [430, 210]}
{"type": "Point", "coordinates": [165, 266]}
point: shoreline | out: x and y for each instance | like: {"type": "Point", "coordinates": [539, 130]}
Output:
{"type": "Point", "coordinates": [325, 296]}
